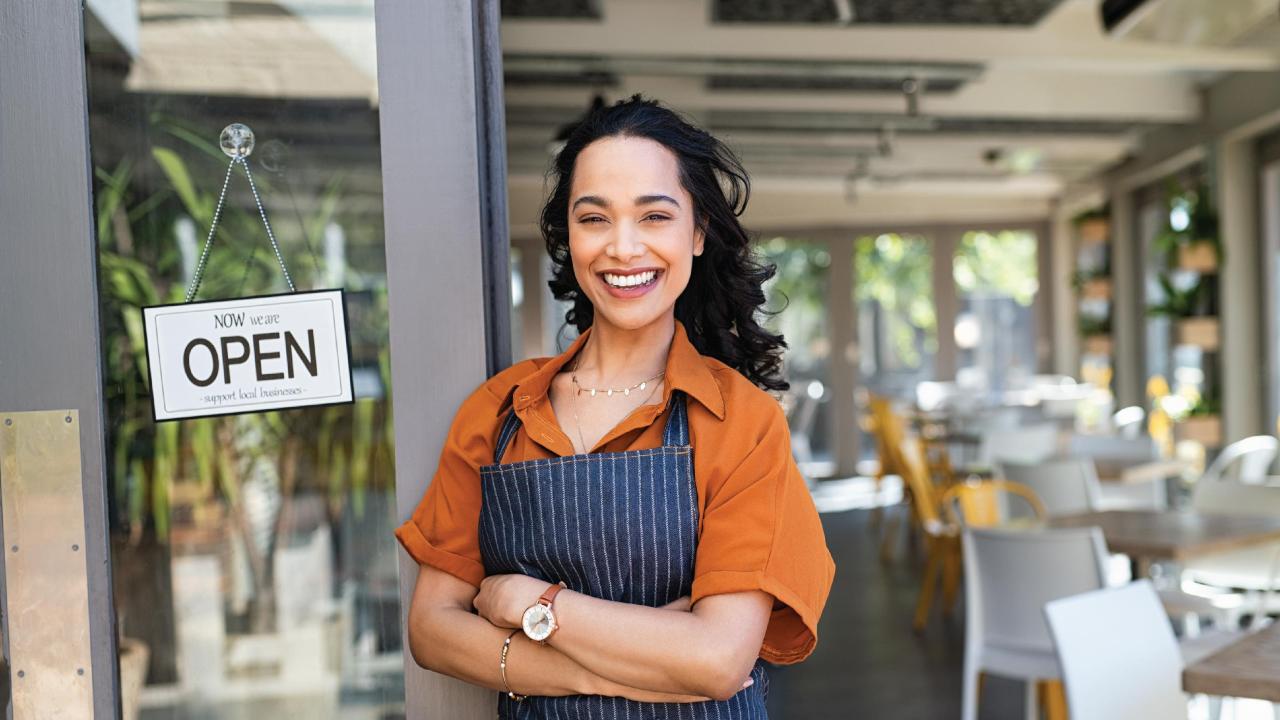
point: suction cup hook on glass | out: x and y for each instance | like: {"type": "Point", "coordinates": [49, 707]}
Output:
{"type": "Point", "coordinates": [236, 140]}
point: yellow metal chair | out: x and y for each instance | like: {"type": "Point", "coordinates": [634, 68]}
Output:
{"type": "Point", "coordinates": [978, 502]}
{"type": "Point", "coordinates": [891, 435]}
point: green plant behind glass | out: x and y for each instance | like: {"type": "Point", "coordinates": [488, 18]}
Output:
{"type": "Point", "coordinates": [340, 452]}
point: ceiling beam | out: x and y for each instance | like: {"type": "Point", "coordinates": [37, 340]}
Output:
{"type": "Point", "coordinates": [1001, 92]}
{"type": "Point", "coordinates": [1069, 38]}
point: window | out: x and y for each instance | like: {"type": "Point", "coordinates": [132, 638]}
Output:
{"type": "Point", "coordinates": [797, 308]}
{"type": "Point", "coordinates": [253, 554]}
{"type": "Point", "coordinates": [997, 279]}
{"type": "Point", "coordinates": [897, 327]}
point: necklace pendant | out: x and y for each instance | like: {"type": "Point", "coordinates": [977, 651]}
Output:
{"type": "Point", "coordinates": [593, 392]}
{"type": "Point", "coordinates": [642, 386]}
{"type": "Point", "coordinates": [610, 392]}
{"type": "Point", "coordinates": [626, 392]}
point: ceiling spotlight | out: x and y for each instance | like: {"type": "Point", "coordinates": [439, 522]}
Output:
{"type": "Point", "coordinates": [911, 90]}
{"type": "Point", "coordinates": [884, 141]}
{"type": "Point", "coordinates": [845, 14]}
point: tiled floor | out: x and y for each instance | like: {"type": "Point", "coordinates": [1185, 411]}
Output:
{"type": "Point", "coordinates": [868, 663]}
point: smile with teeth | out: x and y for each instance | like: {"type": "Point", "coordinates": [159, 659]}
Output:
{"type": "Point", "coordinates": [625, 281]}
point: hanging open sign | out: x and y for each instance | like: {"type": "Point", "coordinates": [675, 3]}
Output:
{"type": "Point", "coordinates": [224, 357]}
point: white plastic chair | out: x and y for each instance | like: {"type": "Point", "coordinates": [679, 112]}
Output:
{"type": "Point", "coordinates": [1112, 447]}
{"type": "Point", "coordinates": [1029, 444]}
{"type": "Point", "coordinates": [1254, 570]}
{"type": "Point", "coordinates": [1127, 422]}
{"type": "Point", "coordinates": [1065, 487]}
{"type": "Point", "coordinates": [1010, 575]}
{"type": "Point", "coordinates": [1118, 655]}
{"type": "Point", "coordinates": [1115, 449]}
{"type": "Point", "coordinates": [1247, 460]}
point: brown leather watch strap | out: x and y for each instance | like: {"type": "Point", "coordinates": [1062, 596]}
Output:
{"type": "Point", "coordinates": [549, 596]}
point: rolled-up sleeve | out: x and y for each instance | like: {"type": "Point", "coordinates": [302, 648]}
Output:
{"type": "Point", "coordinates": [444, 529]}
{"type": "Point", "coordinates": [761, 531]}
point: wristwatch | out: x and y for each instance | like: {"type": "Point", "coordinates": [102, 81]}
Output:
{"type": "Point", "coordinates": [539, 620]}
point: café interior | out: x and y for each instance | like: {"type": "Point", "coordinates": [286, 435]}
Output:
{"type": "Point", "coordinates": [1027, 267]}
{"type": "Point", "coordinates": [1027, 263]}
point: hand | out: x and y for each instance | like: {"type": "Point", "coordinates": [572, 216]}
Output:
{"type": "Point", "coordinates": [503, 599]}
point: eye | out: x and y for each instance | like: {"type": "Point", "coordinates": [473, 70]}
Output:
{"type": "Point", "coordinates": [656, 216]}
{"type": "Point", "coordinates": [590, 219]}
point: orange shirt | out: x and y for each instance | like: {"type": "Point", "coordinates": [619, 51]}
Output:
{"type": "Point", "coordinates": [757, 525]}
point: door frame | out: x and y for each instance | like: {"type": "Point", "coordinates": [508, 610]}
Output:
{"type": "Point", "coordinates": [444, 195]}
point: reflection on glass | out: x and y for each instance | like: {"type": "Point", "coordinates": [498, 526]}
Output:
{"type": "Point", "coordinates": [997, 279]}
{"type": "Point", "coordinates": [518, 329]}
{"type": "Point", "coordinates": [797, 295]}
{"type": "Point", "coordinates": [254, 562]}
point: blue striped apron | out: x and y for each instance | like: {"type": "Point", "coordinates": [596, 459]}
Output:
{"type": "Point", "coordinates": [619, 526]}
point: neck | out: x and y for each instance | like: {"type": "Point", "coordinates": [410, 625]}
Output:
{"type": "Point", "coordinates": [618, 356]}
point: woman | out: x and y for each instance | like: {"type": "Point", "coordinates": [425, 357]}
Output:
{"type": "Point", "coordinates": [626, 519]}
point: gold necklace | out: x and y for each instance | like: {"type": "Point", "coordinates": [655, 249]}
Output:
{"type": "Point", "coordinates": [578, 389]}
{"type": "Point", "coordinates": [573, 400]}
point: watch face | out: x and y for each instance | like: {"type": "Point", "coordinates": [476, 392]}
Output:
{"type": "Point", "coordinates": [538, 622]}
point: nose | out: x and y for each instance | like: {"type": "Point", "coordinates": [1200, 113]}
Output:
{"type": "Point", "coordinates": [625, 245]}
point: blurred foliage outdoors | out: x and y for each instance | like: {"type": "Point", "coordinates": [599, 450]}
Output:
{"type": "Point", "coordinates": [1001, 263]}
{"type": "Point", "coordinates": [896, 273]}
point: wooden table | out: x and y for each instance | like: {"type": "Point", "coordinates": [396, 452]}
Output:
{"type": "Point", "coordinates": [1179, 536]}
{"type": "Point", "coordinates": [1128, 473]}
{"type": "Point", "coordinates": [1249, 668]}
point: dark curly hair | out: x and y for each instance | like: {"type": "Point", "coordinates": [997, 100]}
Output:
{"type": "Point", "coordinates": [718, 308]}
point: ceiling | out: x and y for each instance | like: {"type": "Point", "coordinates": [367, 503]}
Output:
{"type": "Point", "coordinates": [1027, 99]}
{"type": "Point", "coordinates": [855, 110]}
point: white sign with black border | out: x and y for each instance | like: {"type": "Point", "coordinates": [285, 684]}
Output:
{"type": "Point", "coordinates": [255, 354]}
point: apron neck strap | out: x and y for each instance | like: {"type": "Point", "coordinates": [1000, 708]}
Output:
{"type": "Point", "coordinates": [675, 434]}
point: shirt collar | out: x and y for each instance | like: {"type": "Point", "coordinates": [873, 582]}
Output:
{"type": "Point", "coordinates": [686, 370]}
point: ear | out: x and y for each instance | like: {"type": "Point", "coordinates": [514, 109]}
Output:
{"type": "Point", "coordinates": [699, 240]}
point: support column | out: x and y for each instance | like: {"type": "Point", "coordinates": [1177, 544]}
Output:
{"type": "Point", "coordinates": [448, 256]}
{"type": "Point", "coordinates": [1063, 320]}
{"type": "Point", "coordinates": [1242, 365]}
{"type": "Point", "coordinates": [1128, 303]}
{"type": "Point", "coordinates": [842, 374]}
{"type": "Point", "coordinates": [50, 356]}
{"type": "Point", "coordinates": [532, 257]}
{"type": "Point", "coordinates": [944, 241]}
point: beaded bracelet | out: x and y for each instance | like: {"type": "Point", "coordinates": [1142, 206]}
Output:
{"type": "Point", "coordinates": [502, 666]}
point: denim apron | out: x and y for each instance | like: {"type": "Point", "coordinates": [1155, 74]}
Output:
{"type": "Point", "coordinates": [618, 526]}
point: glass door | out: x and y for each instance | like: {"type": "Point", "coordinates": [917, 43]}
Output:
{"type": "Point", "coordinates": [254, 564]}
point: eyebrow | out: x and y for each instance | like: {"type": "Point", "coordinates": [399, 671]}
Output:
{"type": "Point", "coordinates": [642, 200]}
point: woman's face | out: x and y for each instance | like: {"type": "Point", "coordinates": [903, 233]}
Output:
{"type": "Point", "coordinates": [632, 235]}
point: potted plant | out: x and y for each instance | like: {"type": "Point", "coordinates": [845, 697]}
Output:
{"type": "Point", "coordinates": [1093, 226]}
{"type": "Point", "coordinates": [1092, 284]}
{"type": "Point", "coordinates": [1191, 307]}
{"type": "Point", "coordinates": [1203, 422]}
{"type": "Point", "coordinates": [1096, 332]}
{"type": "Point", "coordinates": [1191, 236]}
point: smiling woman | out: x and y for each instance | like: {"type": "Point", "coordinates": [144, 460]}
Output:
{"type": "Point", "coordinates": [626, 518]}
